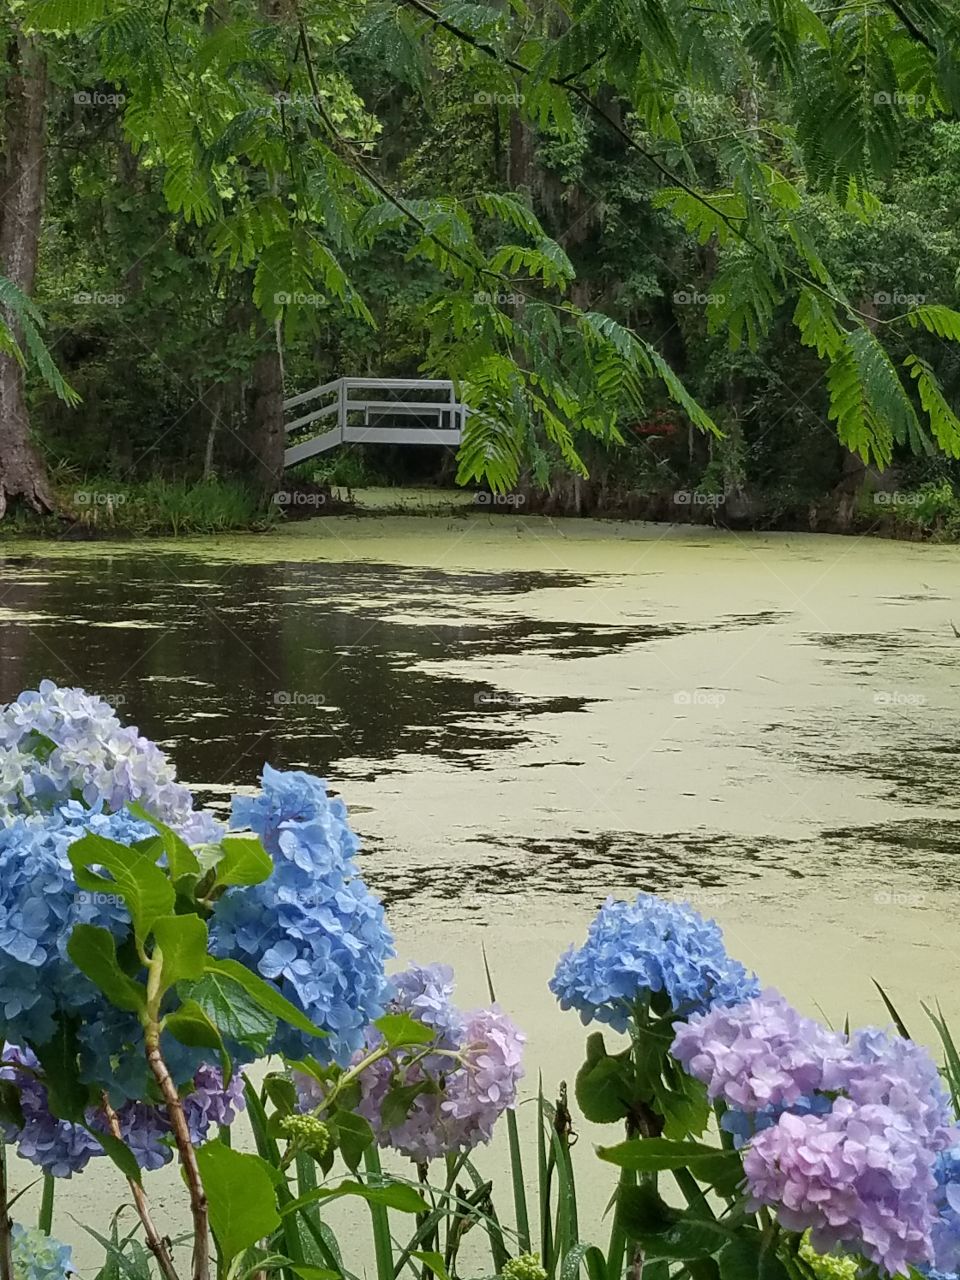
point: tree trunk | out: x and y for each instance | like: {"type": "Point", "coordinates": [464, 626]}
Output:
{"type": "Point", "coordinates": [265, 434]}
{"type": "Point", "coordinates": [22, 471]}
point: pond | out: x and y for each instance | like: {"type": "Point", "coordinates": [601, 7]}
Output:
{"type": "Point", "coordinates": [525, 715]}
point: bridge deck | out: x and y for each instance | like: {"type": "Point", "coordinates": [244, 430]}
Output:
{"type": "Point", "coordinates": [373, 411]}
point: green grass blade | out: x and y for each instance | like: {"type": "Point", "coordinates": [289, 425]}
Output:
{"type": "Point", "coordinates": [897, 1020]}
{"type": "Point", "coordinates": [520, 1209]}
{"type": "Point", "coordinates": [382, 1243]}
{"type": "Point", "coordinates": [519, 1189]}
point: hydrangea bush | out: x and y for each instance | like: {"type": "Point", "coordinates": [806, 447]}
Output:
{"type": "Point", "coordinates": [149, 952]}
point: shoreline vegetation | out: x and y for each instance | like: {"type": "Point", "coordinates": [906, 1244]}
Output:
{"type": "Point", "coordinates": [103, 509]}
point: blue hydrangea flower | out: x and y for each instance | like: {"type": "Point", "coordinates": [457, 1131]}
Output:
{"type": "Point", "coordinates": [649, 946]}
{"type": "Point", "coordinates": [37, 1256]}
{"type": "Point", "coordinates": [40, 904]}
{"type": "Point", "coordinates": [313, 928]}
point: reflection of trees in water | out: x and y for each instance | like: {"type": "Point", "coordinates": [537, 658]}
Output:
{"type": "Point", "coordinates": [296, 664]}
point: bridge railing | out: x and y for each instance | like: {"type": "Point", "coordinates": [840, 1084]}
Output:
{"type": "Point", "coordinates": [378, 400]}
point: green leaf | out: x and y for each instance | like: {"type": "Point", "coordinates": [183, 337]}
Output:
{"type": "Point", "coordinates": [136, 878]}
{"type": "Point", "coordinates": [264, 994]}
{"type": "Point", "coordinates": [315, 1273]}
{"type": "Point", "coordinates": [189, 1025]}
{"type": "Point", "coordinates": [432, 1261]}
{"type": "Point", "coordinates": [395, 1195]}
{"type": "Point", "coordinates": [354, 1135]}
{"type": "Point", "coordinates": [181, 859]}
{"type": "Point", "coordinates": [234, 1013]}
{"type": "Point", "coordinates": [119, 1153]}
{"type": "Point", "coordinates": [605, 1083]}
{"type": "Point", "coordinates": [664, 1232]}
{"type": "Point", "coordinates": [746, 1259]}
{"type": "Point", "coordinates": [94, 951]}
{"type": "Point", "coordinates": [244, 862]}
{"type": "Point", "coordinates": [11, 1112]}
{"type": "Point", "coordinates": [400, 1030]}
{"type": "Point", "coordinates": [400, 1098]}
{"type": "Point", "coordinates": [240, 1191]}
{"type": "Point", "coordinates": [183, 944]}
{"type": "Point", "coordinates": [68, 1097]}
{"type": "Point", "coordinates": [712, 1165]}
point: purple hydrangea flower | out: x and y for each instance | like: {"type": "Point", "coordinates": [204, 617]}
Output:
{"type": "Point", "coordinates": [470, 1072]}
{"type": "Point", "coordinates": [859, 1177]}
{"type": "Point", "coordinates": [62, 1149]}
{"type": "Point", "coordinates": [56, 744]}
{"type": "Point", "coordinates": [760, 1054]}
{"type": "Point", "coordinates": [648, 946]}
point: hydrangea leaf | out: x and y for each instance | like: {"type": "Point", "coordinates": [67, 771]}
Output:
{"type": "Point", "coordinates": [395, 1195]}
{"type": "Point", "coordinates": [652, 1155]}
{"type": "Point", "coordinates": [94, 951]}
{"type": "Point", "coordinates": [190, 1026]}
{"type": "Point", "coordinates": [400, 1030]}
{"type": "Point", "coordinates": [119, 1153]}
{"type": "Point", "coordinates": [746, 1259]}
{"type": "Point", "coordinates": [134, 876]}
{"type": "Point", "coordinates": [244, 862]}
{"type": "Point", "coordinates": [265, 995]}
{"type": "Point", "coordinates": [67, 1095]}
{"type": "Point", "coordinates": [181, 859]}
{"type": "Point", "coordinates": [664, 1232]}
{"type": "Point", "coordinates": [605, 1083]}
{"type": "Point", "coordinates": [353, 1134]}
{"type": "Point", "coordinates": [240, 1192]}
{"type": "Point", "coordinates": [232, 1011]}
{"type": "Point", "coordinates": [183, 945]}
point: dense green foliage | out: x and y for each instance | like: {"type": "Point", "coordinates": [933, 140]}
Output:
{"type": "Point", "coordinates": [581, 211]}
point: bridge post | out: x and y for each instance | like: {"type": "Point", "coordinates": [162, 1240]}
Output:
{"type": "Point", "coordinates": [342, 407]}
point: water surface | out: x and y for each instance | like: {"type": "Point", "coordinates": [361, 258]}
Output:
{"type": "Point", "coordinates": [526, 715]}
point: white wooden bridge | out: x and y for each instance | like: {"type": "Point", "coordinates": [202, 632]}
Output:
{"type": "Point", "coordinates": [374, 411]}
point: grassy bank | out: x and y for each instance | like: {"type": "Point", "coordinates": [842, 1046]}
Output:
{"type": "Point", "coordinates": [101, 508]}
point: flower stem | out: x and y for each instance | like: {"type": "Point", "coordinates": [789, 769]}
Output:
{"type": "Point", "coordinates": [45, 1217]}
{"type": "Point", "coordinates": [6, 1226]}
{"type": "Point", "coordinates": [155, 1241]}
